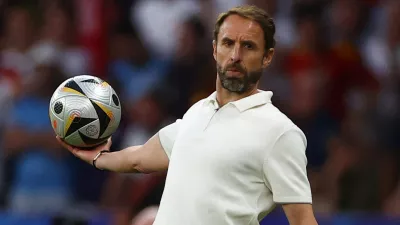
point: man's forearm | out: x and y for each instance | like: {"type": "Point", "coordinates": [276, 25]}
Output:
{"type": "Point", "coordinates": [310, 221]}
{"type": "Point", "coordinates": [123, 161]}
{"type": "Point", "coordinates": [299, 214]}
{"type": "Point", "coordinates": [146, 158]}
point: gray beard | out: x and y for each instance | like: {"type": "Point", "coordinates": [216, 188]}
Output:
{"type": "Point", "coordinates": [238, 85]}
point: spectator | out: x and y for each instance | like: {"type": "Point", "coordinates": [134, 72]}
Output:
{"type": "Point", "coordinates": [133, 69]}
{"type": "Point", "coordinates": [42, 181]}
{"type": "Point", "coordinates": [192, 71]}
{"type": "Point", "coordinates": [307, 66]}
{"type": "Point", "coordinates": [57, 38]}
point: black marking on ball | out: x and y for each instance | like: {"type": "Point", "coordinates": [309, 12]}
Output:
{"type": "Point", "coordinates": [78, 123]}
{"type": "Point", "coordinates": [90, 81]}
{"type": "Point", "coordinates": [104, 119]}
{"type": "Point", "coordinates": [58, 107]}
{"type": "Point", "coordinates": [74, 86]}
{"type": "Point", "coordinates": [92, 141]}
{"type": "Point", "coordinates": [115, 99]}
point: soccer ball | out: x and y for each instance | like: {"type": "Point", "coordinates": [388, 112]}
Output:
{"type": "Point", "coordinates": [85, 111]}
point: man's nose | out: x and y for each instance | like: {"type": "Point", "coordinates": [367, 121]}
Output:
{"type": "Point", "coordinates": [236, 54]}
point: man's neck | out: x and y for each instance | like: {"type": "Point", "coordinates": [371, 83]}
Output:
{"type": "Point", "coordinates": [224, 96]}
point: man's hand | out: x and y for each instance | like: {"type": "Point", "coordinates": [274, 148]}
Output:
{"type": "Point", "coordinates": [146, 158]}
{"type": "Point", "coordinates": [299, 214]}
{"type": "Point", "coordinates": [85, 155]}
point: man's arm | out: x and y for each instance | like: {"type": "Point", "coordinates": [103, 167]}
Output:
{"type": "Point", "coordinates": [299, 214]}
{"type": "Point", "coordinates": [286, 176]}
{"type": "Point", "coordinates": [153, 156]}
{"type": "Point", "coordinates": [146, 158]}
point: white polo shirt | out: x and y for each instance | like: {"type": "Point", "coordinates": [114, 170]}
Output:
{"type": "Point", "coordinates": [231, 165]}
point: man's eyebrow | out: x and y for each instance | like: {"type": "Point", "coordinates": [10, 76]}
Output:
{"type": "Point", "coordinates": [227, 39]}
{"type": "Point", "coordinates": [243, 42]}
{"type": "Point", "coordinates": [248, 42]}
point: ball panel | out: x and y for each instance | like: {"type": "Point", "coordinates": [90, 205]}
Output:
{"type": "Point", "coordinates": [78, 123]}
{"type": "Point", "coordinates": [72, 86]}
{"type": "Point", "coordinates": [95, 88]}
{"type": "Point", "coordinates": [62, 94]}
{"type": "Point", "coordinates": [57, 94]}
{"type": "Point", "coordinates": [57, 108]}
{"type": "Point", "coordinates": [81, 106]}
{"type": "Point", "coordinates": [70, 91]}
{"type": "Point", "coordinates": [63, 91]}
{"type": "Point", "coordinates": [86, 77]}
{"type": "Point", "coordinates": [115, 102]}
{"type": "Point", "coordinates": [75, 140]}
{"type": "Point", "coordinates": [85, 136]}
{"type": "Point", "coordinates": [104, 115]}
{"type": "Point", "coordinates": [90, 142]}
{"type": "Point", "coordinates": [57, 124]}
{"type": "Point", "coordinates": [114, 122]}
{"type": "Point", "coordinates": [91, 129]}
{"type": "Point", "coordinates": [77, 107]}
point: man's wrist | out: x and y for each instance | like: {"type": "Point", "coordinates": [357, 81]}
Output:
{"type": "Point", "coordinates": [96, 158]}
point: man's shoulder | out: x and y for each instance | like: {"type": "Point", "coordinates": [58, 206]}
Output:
{"type": "Point", "coordinates": [270, 113]}
{"type": "Point", "coordinates": [270, 116]}
{"type": "Point", "coordinates": [197, 104]}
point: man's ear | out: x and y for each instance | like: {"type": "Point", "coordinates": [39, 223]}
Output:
{"type": "Point", "coordinates": [268, 58]}
{"type": "Point", "coordinates": [214, 43]}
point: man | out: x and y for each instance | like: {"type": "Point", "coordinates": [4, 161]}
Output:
{"type": "Point", "coordinates": [233, 155]}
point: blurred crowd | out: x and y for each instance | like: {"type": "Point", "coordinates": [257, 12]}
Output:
{"type": "Point", "coordinates": [335, 73]}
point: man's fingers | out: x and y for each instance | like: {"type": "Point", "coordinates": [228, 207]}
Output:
{"type": "Point", "coordinates": [67, 146]}
{"type": "Point", "coordinates": [109, 142]}
{"type": "Point", "coordinates": [62, 143]}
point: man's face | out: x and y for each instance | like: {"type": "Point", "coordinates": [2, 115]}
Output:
{"type": "Point", "coordinates": [240, 54]}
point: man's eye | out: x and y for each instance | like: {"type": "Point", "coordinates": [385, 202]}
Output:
{"type": "Point", "coordinates": [248, 46]}
{"type": "Point", "coordinates": [227, 43]}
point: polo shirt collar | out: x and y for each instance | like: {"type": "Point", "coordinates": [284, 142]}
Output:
{"type": "Point", "coordinates": [261, 98]}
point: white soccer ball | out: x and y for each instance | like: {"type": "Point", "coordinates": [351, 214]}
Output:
{"type": "Point", "coordinates": [85, 111]}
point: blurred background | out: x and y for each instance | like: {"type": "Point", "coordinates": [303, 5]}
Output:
{"type": "Point", "coordinates": [335, 73]}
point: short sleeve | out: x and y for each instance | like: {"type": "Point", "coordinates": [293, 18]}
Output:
{"type": "Point", "coordinates": [285, 168]}
{"type": "Point", "coordinates": [168, 135]}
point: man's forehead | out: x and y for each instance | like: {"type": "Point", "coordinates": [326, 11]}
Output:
{"type": "Point", "coordinates": [235, 25]}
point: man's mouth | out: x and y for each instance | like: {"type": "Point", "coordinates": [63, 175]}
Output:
{"type": "Point", "coordinates": [234, 70]}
